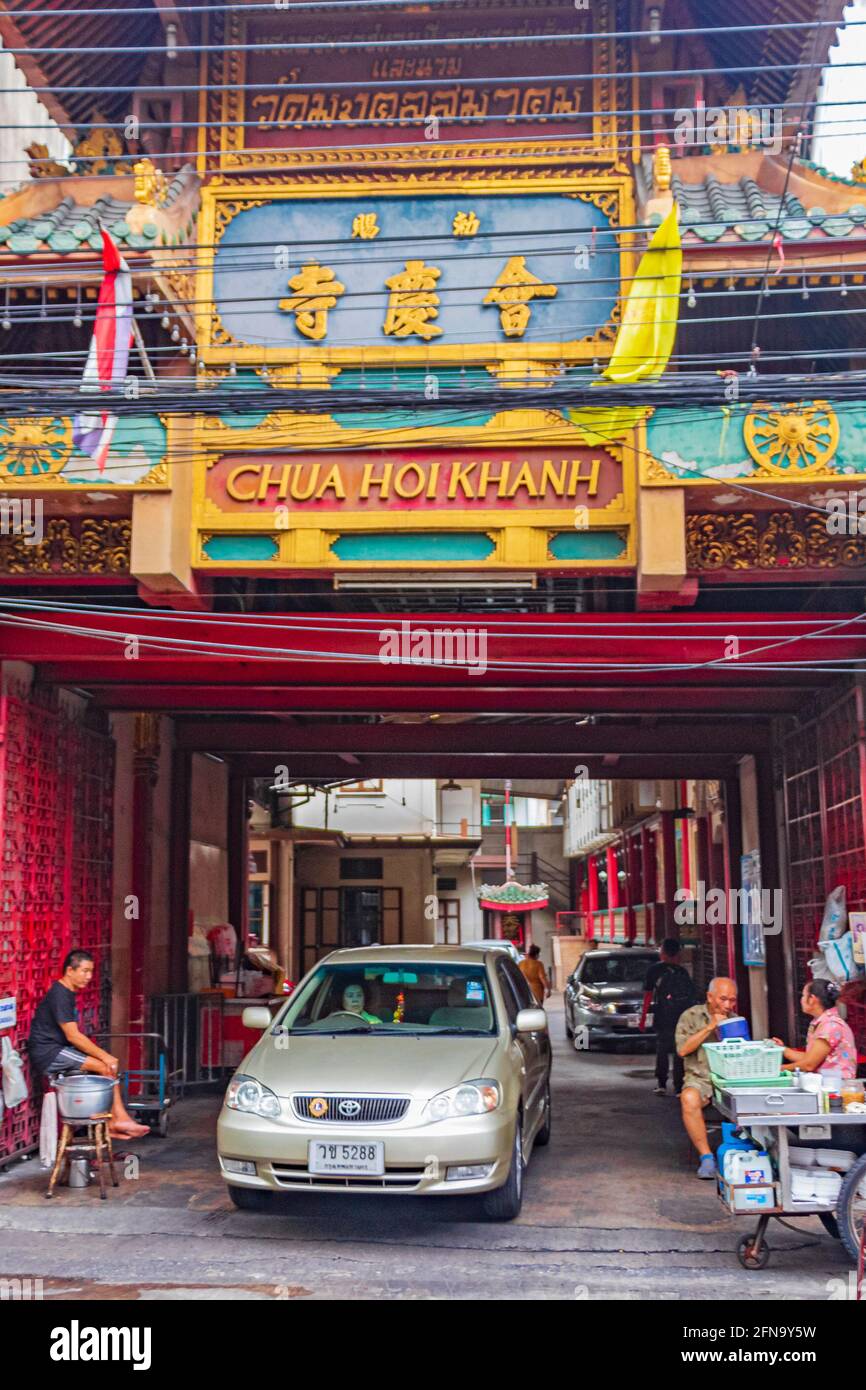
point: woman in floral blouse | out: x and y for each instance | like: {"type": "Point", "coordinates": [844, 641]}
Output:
{"type": "Point", "coordinates": [830, 1044]}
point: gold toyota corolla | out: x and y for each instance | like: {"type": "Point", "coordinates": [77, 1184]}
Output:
{"type": "Point", "coordinates": [419, 1069]}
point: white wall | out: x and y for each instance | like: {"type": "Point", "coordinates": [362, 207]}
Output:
{"type": "Point", "coordinates": [21, 109]}
{"type": "Point", "coordinates": [403, 807]}
{"type": "Point", "coordinates": [839, 140]}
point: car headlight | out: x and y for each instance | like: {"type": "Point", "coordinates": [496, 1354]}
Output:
{"type": "Point", "coordinates": [592, 1005]}
{"type": "Point", "coordinates": [610, 1008]}
{"type": "Point", "coordinates": [470, 1098]}
{"type": "Point", "coordinates": [247, 1094]}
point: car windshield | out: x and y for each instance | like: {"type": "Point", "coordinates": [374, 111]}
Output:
{"type": "Point", "coordinates": [615, 970]}
{"type": "Point", "coordinates": [391, 999]}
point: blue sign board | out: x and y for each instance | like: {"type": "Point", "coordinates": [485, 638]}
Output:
{"type": "Point", "coordinates": [447, 271]}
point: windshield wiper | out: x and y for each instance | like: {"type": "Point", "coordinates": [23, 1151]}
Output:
{"type": "Point", "coordinates": [328, 1032]}
{"type": "Point", "coordinates": [456, 1032]}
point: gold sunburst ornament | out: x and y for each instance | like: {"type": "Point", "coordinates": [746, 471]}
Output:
{"type": "Point", "coordinates": [35, 447]}
{"type": "Point", "coordinates": [792, 439]}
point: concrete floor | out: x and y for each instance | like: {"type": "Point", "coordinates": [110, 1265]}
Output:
{"type": "Point", "coordinates": [612, 1210]}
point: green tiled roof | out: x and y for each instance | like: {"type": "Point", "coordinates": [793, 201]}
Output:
{"type": "Point", "coordinates": [513, 893]}
{"type": "Point", "coordinates": [71, 227]}
{"type": "Point", "coordinates": [743, 210]}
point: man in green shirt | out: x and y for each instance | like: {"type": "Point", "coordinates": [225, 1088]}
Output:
{"type": "Point", "coordinates": [697, 1026]}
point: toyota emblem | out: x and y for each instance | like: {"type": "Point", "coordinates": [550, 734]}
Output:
{"type": "Point", "coordinates": [349, 1109]}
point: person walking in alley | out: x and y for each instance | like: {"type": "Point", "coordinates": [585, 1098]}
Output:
{"type": "Point", "coordinates": [536, 975]}
{"type": "Point", "coordinates": [697, 1026]}
{"type": "Point", "coordinates": [669, 992]}
{"type": "Point", "coordinates": [57, 1045]}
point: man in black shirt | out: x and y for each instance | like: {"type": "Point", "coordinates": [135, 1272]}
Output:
{"type": "Point", "coordinates": [669, 992]}
{"type": "Point", "coordinates": [58, 1047]}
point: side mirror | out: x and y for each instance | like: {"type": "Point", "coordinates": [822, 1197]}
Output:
{"type": "Point", "coordinates": [256, 1016]}
{"type": "Point", "coordinates": [531, 1021]}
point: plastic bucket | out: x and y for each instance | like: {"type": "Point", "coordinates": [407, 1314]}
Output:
{"type": "Point", "coordinates": [732, 1028]}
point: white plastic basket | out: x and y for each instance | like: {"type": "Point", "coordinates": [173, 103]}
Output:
{"type": "Point", "coordinates": [737, 1059]}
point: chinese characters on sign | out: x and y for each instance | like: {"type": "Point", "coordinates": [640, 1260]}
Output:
{"type": "Point", "coordinates": [413, 302]}
{"type": "Point", "coordinates": [417, 271]}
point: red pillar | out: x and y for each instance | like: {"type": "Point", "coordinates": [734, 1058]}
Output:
{"type": "Point", "coordinates": [592, 885]}
{"type": "Point", "coordinates": [630, 880]}
{"type": "Point", "coordinates": [612, 888]}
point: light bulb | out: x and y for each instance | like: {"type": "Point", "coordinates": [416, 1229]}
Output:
{"type": "Point", "coordinates": [7, 323]}
{"type": "Point", "coordinates": [175, 333]}
{"type": "Point", "coordinates": [165, 320]}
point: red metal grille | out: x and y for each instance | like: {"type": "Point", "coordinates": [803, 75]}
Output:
{"type": "Point", "coordinates": [826, 833]}
{"type": "Point", "coordinates": [56, 780]}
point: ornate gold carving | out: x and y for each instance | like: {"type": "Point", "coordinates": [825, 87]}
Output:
{"type": "Point", "coordinates": [98, 147]}
{"type": "Point", "coordinates": [227, 210]}
{"type": "Point", "coordinates": [93, 546]}
{"type": "Point", "coordinates": [768, 541]}
{"type": "Point", "coordinates": [224, 106]}
{"type": "Point", "coordinates": [662, 171]}
{"type": "Point", "coordinates": [151, 184]}
{"type": "Point", "coordinates": [42, 166]}
{"type": "Point", "coordinates": [33, 447]}
{"type": "Point", "coordinates": [795, 440]}
{"type": "Point", "coordinates": [655, 472]}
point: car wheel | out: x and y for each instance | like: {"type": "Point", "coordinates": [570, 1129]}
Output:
{"type": "Point", "coordinates": [250, 1198]}
{"type": "Point", "coordinates": [543, 1135]}
{"type": "Point", "coordinates": [504, 1203]}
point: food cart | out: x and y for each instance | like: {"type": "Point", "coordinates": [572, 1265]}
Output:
{"type": "Point", "coordinates": [787, 1122]}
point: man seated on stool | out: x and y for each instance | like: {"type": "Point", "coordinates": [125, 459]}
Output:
{"type": "Point", "coordinates": [57, 1045]}
{"type": "Point", "coordinates": [697, 1026]}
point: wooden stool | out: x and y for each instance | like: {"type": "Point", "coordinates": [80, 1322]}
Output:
{"type": "Point", "coordinates": [98, 1143]}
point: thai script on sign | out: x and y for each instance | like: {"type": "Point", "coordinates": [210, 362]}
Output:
{"type": "Point", "coordinates": [283, 108]}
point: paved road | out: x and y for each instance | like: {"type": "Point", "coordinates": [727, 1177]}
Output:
{"type": "Point", "coordinates": [612, 1210]}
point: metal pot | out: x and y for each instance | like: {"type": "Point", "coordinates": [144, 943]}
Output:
{"type": "Point", "coordinates": [81, 1096]}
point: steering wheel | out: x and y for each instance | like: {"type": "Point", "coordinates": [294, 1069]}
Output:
{"type": "Point", "coordinates": [346, 1013]}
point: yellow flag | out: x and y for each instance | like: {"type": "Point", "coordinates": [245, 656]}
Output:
{"type": "Point", "coordinates": [645, 340]}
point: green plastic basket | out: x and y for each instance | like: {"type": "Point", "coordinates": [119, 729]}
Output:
{"type": "Point", "coordinates": [738, 1060]}
{"type": "Point", "coordinates": [781, 1082]}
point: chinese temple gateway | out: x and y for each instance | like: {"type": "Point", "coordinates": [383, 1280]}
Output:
{"type": "Point", "coordinates": [384, 266]}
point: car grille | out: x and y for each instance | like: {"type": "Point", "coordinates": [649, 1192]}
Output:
{"type": "Point", "coordinates": [393, 1179]}
{"type": "Point", "coordinates": [372, 1110]}
{"type": "Point", "coordinates": [632, 1006]}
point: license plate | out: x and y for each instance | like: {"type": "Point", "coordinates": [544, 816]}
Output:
{"type": "Point", "coordinates": [327, 1156]}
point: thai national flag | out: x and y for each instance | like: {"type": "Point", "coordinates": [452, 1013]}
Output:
{"type": "Point", "coordinates": [109, 352]}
